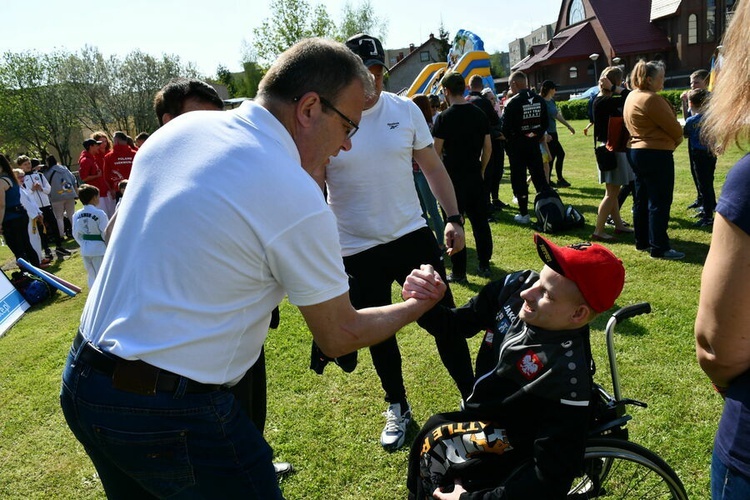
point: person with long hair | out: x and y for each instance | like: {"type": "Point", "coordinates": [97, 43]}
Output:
{"type": "Point", "coordinates": [609, 103]}
{"type": "Point", "coordinates": [107, 203]}
{"type": "Point", "coordinates": [655, 133]}
{"type": "Point", "coordinates": [722, 344]}
{"type": "Point", "coordinates": [15, 219]}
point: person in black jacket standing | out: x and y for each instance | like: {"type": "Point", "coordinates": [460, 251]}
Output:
{"type": "Point", "coordinates": [524, 124]}
{"type": "Point", "coordinates": [530, 401]}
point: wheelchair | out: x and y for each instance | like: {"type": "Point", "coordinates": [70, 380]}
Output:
{"type": "Point", "coordinates": [614, 467]}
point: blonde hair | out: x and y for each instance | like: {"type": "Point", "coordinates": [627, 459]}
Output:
{"type": "Point", "coordinates": [726, 115]}
{"type": "Point", "coordinates": [99, 135]}
{"type": "Point", "coordinates": [642, 71]}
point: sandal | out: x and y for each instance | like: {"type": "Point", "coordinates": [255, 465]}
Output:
{"type": "Point", "coordinates": [606, 237]}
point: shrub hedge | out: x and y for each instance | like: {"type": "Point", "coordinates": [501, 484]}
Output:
{"type": "Point", "coordinates": [577, 109]}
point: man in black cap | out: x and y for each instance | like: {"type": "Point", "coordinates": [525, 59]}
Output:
{"type": "Point", "coordinates": [382, 232]}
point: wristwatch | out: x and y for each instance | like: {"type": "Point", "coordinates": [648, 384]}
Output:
{"type": "Point", "coordinates": [456, 219]}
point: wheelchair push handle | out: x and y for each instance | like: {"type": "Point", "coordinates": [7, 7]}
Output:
{"type": "Point", "coordinates": [632, 311]}
{"type": "Point", "coordinates": [618, 316]}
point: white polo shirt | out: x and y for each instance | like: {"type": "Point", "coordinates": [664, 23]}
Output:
{"type": "Point", "coordinates": [218, 223]}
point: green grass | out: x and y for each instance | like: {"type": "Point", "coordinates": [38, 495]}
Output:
{"type": "Point", "coordinates": [328, 426]}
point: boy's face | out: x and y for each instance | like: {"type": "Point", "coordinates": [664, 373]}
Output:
{"type": "Point", "coordinates": [552, 302]}
{"type": "Point", "coordinates": [26, 166]}
{"type": "Point", "coordinates": [697, 83]}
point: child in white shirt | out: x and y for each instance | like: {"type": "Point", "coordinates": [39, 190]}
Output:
{"type": "Point", "coordinates": [89, 224]}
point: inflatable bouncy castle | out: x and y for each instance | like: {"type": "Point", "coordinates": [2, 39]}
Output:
{"type": "Point", "coordinates": [466, 55]}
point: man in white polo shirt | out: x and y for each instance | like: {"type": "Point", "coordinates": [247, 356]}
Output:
{"type": "Point", "coordinates": [162, 337]}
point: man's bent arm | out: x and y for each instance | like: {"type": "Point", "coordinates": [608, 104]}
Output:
{"type": "Point", "coordinates": [339, 329]}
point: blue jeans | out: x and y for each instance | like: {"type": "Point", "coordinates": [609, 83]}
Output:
{"type": "Point", "coordinates": [172, 444]}
{"type": "Point", "coordinates": [705, 166]}
{"type": "Point", "coordinates": [727, 484]}
{"type": "Point", "coordinates": [430, 207]}
{"type": "Point", "coordinates": [652, 198]}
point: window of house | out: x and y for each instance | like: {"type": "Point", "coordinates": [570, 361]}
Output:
{"type": "Point", "coordinates": [576, 14]}
{"type": "Point", "coordinates": [710, 20]}
{"type": "Point", "coordinates": [424, 56]}
{"type": "Point", "coordinates": [692, 29]}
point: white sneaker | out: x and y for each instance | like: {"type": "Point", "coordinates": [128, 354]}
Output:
{"type": "Point", "coordinates": [394, 433]}
{"type": "Point", "coordinates": [522, 219]}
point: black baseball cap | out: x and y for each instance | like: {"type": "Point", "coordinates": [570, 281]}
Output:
{"type": "Point", "coordinates": [368, 48]}
{"type": "Point", "coordinates": [90, 142]}
{"type": "Point", "coordinates": [549, 85]}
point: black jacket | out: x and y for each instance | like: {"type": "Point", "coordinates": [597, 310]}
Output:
{"type": "Point", "coordinates": [536, 382]}
{"type": "Point", "coordinates": [525, 117]}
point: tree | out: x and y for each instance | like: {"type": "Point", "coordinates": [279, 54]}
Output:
{"type": "Point", "coordinates": [292, 20]}
{"type": "Point", "coordinates": [322, 25]}
{"type": "Point", "coordinates": [46, 100]}
{"type": "Point", "coordinates": [117, 94]}
{"type": "Point", "coordinates": [92, 77]}
{"type": "Point", "coordinates": [251, 77]}
{"type": "Point", "coordinates": [361, 19]}
{"type": "Point", "coordinates": [36, 107]}
{"type": "Point", "coordinates": [498, 60]}
{"type": "Point", "coordinates": [226, 78]}
{"type": "Point", "coordinates": [142, 76]}
{"type": "Point", "coordinates": [445, 42]}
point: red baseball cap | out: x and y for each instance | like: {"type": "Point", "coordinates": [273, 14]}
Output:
{"type": "Point", "coordinates": [597, 272]}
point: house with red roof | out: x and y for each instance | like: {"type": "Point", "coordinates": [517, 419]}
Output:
{"type": "Point", "coordinates": [593, 34]}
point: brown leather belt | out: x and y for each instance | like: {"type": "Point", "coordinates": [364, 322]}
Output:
{"type": "Point", "coordinates": [135, 375]}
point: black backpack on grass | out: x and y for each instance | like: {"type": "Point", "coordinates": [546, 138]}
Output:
{"type": "Point", "coordinates": [552, 216]}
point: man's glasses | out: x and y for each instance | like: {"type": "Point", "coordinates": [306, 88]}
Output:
{"type": "Point", "coordinates": [354, 126]}
{"type": "Point", "coordinates": [325, 102]}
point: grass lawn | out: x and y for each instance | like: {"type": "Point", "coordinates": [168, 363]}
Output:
{"type": "Point", "coordinates": [328, 426]}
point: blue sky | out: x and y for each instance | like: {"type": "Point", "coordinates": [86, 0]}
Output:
{"type": "Point", "coordinates": [211, 33]}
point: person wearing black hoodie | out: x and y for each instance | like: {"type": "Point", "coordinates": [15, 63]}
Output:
{"type": "Point", "coordinates": [524, 124]}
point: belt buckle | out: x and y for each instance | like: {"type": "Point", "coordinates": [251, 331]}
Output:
{"type": "Point", "coordinates": [135, 376]}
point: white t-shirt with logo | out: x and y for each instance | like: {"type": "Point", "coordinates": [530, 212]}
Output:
{"type": "Point", "coordinates": [371, 187]}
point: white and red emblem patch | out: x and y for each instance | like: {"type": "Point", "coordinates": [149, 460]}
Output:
{"type": "Point", "coordinates": [530, 365]}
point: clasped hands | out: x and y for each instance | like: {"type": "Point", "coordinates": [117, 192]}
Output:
{"type": "Point", "coordinates": [424, 284]}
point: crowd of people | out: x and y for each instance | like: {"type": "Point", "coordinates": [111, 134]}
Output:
{"type": "Point", "coordinates": [369, 189]}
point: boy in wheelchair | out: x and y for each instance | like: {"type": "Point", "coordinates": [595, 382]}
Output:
{"type": "Point", "coordinates": [522, 432]}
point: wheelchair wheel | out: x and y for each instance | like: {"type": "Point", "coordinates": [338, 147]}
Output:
{"type": "Point", "coordinates": [617, 469]}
